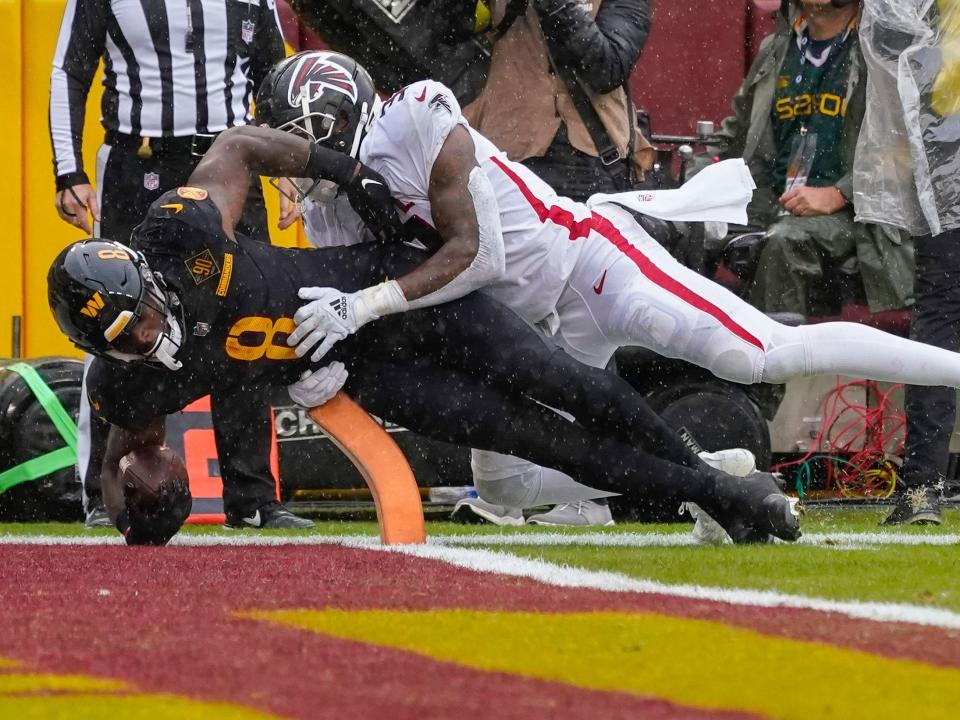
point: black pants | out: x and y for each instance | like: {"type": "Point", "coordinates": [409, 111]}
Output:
{"type": "Point", "coordinates": [128, 186]}
{"type": "Point", "coordinates": [482, 339]}
{"type": "Point", "coordinates": [472, 373]}
{"type": "Point", "coordinates": [931, 411]}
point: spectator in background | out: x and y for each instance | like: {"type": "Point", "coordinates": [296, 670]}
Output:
{"type": "Point", "coordinates": [796, 120]}
{"type": "Point", "coordinates": [403, 41]}
{"type": "Point", "coordinates": [176, 73]}
{"type": "Point", "coordinates": [557, 99]}
{"type": "Point", "coordinates": [907, 173]}
{"type": "Point", "coordinates": [558, 88]}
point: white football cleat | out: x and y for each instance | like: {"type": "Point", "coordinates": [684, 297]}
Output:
{"type": "Point", "coordinates": [575, 514]}
{"type": "Point", "coordinates": [735, 461]}
{"type": "Point", "coordinates": [475, 510]}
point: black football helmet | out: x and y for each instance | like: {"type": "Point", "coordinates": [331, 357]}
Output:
{"type": "Point", "coordinates": [97, 291]}
{"type": "Point", "coordinates": [323, 96]}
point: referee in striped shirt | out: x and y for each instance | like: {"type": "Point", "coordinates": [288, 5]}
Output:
{"type": "Point", "coordinates": [176, 73]}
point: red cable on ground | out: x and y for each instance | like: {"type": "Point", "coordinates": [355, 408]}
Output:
{"type": "Point", "coordinates": [857, 442]}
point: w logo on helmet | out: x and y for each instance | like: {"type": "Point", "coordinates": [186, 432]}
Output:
{"type": "Point", "coordinates": [93, 307]}
{"type": "Point", "coordinates": [313, 75]}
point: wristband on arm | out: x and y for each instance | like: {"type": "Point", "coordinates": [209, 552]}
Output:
{"type": "Point", "coordinates": [68, 180]}
{"type": "Point", "coordinates": [386, 298]}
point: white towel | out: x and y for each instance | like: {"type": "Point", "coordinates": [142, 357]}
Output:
{"type": "Point", "coordinates": [719, 192]}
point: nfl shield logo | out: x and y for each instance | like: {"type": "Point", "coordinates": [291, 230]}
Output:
{"type": "Point", "coordinates": [151, 181]}
{"type": "Point", "coordinates": [246, 31]}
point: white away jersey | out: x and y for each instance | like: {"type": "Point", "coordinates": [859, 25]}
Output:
{"type": "Point", "coordinates": [537, 225]}
{"type": "Point", "coordinates": [333, 223]}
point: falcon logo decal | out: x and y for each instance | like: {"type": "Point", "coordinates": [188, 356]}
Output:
{"type": "Point", "coordinates": [440, 100]}
{"type": "Point", "coordinates": [314, 75]}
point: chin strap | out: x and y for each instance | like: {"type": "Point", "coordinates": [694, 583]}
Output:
{"type": "Point", "coordinates": [368, 114]}
{"type": "Point", "coordinates": [168, 345]}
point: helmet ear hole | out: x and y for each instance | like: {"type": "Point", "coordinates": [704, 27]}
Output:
{"type": "Point", "coordinates": [342, 123]}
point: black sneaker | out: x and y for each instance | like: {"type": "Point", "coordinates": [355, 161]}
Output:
{"type": "Point", "coordinates": [753, 509]}
{"type": "Point", "coordinates": [916, 506]}
{"type": "Point", "coordinates": [272, 516]}
{"type": "Point", "coordinates": [96, 517]}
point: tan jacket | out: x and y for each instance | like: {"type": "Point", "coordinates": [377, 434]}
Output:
{"type": "Point", "coordinates": [523, 103]}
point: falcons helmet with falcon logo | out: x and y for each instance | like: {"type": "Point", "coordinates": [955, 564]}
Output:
{"type": "Point", "coordinates": [324, 96]}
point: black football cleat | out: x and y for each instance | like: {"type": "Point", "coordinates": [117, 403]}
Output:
{"type": "Point", "coordinates": [272, 516]}
{"type": "Point", "coordinates": [753, 509]}
{"type": "Point", "coordinates": [916, 506]}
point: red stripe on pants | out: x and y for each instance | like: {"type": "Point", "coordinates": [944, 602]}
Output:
{"type": "Point", "coordinates": [602, 226]}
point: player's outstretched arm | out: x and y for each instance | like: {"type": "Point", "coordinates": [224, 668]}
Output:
{"type": "Point", "coordinates": [465, 214]}
{"type": "Point", "coordinates": [464, 210]}
{"type": "Point", "coordinates": [243, 151]}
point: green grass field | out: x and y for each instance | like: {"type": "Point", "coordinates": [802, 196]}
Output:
{"type": "Point", "coordinates": [918, 574]}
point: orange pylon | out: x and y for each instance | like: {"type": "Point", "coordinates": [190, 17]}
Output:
{"type": "Point", "coordinates": [382, 464]}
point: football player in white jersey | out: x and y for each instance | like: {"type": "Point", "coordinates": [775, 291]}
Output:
{"type": "Point", "coordinates": [591, 278]}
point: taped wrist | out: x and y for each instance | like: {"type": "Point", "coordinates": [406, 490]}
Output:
{"type": "Point", "coordinates": [326, 164]}
{"type": "Point", "coordinates": [384, 299]}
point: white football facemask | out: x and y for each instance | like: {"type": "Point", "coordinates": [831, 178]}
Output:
{"type": "Point", "coordinates": [168, 341]}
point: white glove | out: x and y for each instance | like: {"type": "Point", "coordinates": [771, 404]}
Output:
{"type": "Point", "coordinates": [315, 387]}
{"type": "Point", "coordinates": [332, 315]}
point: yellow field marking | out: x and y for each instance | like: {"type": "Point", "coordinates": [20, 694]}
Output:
{"type": "Point", "coordinates": [23, 695]}
{"type": "Point", "coordinates": [19, 683]}
{"type": "Point", "coordinates": [695, 663]}
{"type": "Point", "coordinates": [127, 707]}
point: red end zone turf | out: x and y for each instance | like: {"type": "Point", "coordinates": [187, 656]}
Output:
{"type": "Point", "coordinates": [205, 623]}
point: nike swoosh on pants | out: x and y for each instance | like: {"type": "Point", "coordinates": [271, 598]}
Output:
{"type": "Point", "coordinates": [598, 288]}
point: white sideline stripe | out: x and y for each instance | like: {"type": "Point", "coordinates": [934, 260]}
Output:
{"type": "Point", "coordinates": [556, 538]}
{"type": "Point", "coordinates": [502, 563]}
{"type": "Point", "coordinates": [681, 539]}
{"type": "Point", "coordinates": [562, 576]}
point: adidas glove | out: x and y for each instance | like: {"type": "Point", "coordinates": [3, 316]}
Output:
{"type": "Point", "coordinates": [315, 387]}
{"type": "Point", "coordinates": [331, 315]}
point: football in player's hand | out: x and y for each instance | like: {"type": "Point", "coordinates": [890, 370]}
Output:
{"type": "Point", "coordinates": [156, 494]}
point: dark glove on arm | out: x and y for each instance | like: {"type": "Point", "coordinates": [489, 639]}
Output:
{"type": "Point", "coordinates": [370, 198]}
{"type": "Point", "coordinates": [366, 190]}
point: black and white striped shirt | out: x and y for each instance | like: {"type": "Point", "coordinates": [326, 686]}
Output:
{"type": "Point", "coordinates": [172, 68]}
